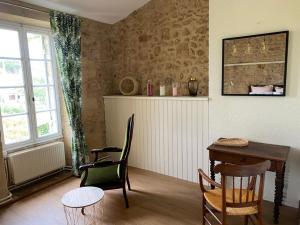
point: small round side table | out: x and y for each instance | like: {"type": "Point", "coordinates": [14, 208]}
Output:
{"type": "Point", "coordinates": [83, 206]}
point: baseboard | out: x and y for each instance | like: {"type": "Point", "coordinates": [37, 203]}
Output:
{"type": "Point", "coordinates": [299, 214]}
{"type": "Point", "coordinates": [6, 199]}
{"type": "Point", "coordinates": [37, 179]}
{"type": "Point", "coordinates": [34, 187]}
{"type": "Point", "coordinates": [291, 202]}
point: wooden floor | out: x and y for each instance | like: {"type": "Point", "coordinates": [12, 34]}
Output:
{"type": "Point", "coordinates": [155, 200]}
{"type": "Point", "coordinates": [29, 189]}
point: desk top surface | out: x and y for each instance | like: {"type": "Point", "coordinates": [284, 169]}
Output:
{"type": "Point", "coordinates": [255, 149]}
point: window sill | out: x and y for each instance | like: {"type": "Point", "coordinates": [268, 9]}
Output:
{"type": "Point", "coordinates": [32, 145]}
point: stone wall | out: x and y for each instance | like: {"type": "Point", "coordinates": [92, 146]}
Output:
{"type": "Point", "coordinates": [266, 48]}
{"type": "Point", "coordinates": [96, 79]}
{"type": "Point", "coordinates": [165, 40]}
{"type": "Point", "coordinates": [238, 79]}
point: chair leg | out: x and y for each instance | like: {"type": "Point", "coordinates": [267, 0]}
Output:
{"type": "Point", "coordinates": [125, 196]}
{"type": "Point", "coordinates": [224, 218]}
{"type": "Point", "coordinates": [246, 220]}
{"type": "Point", "coordinates": [128, 182]}
{"type": "Point", "coordinates": [203, 210]}
{"type": "Point", "coordinates": [260, 218]}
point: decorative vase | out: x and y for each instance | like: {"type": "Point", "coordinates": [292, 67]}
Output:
{"type": "Point", "coordinates": [149, 88]}
{"type": "Point", "coordinates": [175, 89]}
{"type": "Point", "coordinates": [193, 86]}
{"type": "Point", "coordinates": [162, 89]}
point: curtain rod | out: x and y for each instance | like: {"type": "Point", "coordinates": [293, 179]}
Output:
{"type": "Point", "coordinates": [25, 7]}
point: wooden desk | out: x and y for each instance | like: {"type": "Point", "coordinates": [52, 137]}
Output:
{"type": "Point", "coordinates": [254, 153]}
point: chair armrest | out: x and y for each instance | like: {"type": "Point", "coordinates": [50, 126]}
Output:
{"type": "Point", "coordinates": [86, 166]}
{"type": "Point", "coordinates": [203, 176]}
{"type": "Point", "coordinates": [99, 164]}
{"type": "Point", "coordinates": [106, 149]}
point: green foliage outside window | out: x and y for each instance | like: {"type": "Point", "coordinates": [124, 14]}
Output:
{"type": "Point", "coordinates": [43, 129]}
{"type": "Point", "coordinates": [12, 67]}
{"type": "Point", "coordinates": [9, 110]}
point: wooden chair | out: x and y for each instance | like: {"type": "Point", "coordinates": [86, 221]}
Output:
{"type": "Point", "coordinates": [237, 195]}
{"type": "Point", "coordinates": [106, 174]}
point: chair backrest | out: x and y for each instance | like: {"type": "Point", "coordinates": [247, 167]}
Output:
{"type": "Point", "coordinates": [127, 142]}
{"type": "Point", "coordinates": [239, 187]}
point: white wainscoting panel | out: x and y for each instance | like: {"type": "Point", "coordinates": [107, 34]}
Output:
{"type": "Point", "coordinates": [170, 134]}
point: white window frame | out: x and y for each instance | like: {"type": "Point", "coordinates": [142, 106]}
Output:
{"type": "Point", "coordinates": [28, 86]}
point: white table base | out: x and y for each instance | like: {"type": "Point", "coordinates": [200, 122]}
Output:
{"type": "Point", "coordinates": [91, 215]}
{"type": "Point", "coordinates": [84, 206]}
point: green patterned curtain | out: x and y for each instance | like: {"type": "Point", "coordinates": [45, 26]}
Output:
{"type": "Point", "coordinates": [66, 34]}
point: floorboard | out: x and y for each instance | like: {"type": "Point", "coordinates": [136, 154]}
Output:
{"type": "Point", "coordinates": [155, 200]}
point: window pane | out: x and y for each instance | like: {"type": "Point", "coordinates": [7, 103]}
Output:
{"type": "Point", "coordinates": [41, 98]}
{"type": "Point", "coordinates": [52, 97]}
{"type": "Point", "coordinates": [15, 88]}
{"type": "Point", "coordinates": [38, 72]}
{"type": "Point", "coordinates": [15, 129]}
{"type": "Point", "coordinates": [11, 73]}
{"type": "Point", "coordinates": [9, 43]}
{"type": "Point", "coordinates": [12, 101]}
{"type": "Point", "coordinates": [46, 123]}
{"type": "Point", "coordinates": [38, 45]}
{"type": "Point", "coordinates": [50, 74]}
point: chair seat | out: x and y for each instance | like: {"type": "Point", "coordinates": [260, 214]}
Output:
{"type": "Point", "coordinates": [214, 198]}
{"type": "Point", "coordinates": [104, 175]}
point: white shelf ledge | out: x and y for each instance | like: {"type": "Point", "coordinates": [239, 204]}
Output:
{"type": "Point", "coordinates": [177, 98]}
{"type": "Point", "coordinates": [254, 63]}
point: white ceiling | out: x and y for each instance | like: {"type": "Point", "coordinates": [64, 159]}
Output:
{"type": "Point", "coordinates": [106, 11]}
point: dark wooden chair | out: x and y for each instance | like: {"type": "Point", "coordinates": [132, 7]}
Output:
{"type": "Point", "coordinates": [237, 195]}
{"type": "Point", "coordinates": [107, 174]}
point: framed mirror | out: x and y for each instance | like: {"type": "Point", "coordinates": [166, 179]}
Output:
{"type": "Point", "coordinates": [255, 65]}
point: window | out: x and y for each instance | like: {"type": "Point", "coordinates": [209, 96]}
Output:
{"type": "Point", "coordinates": [28, 88]}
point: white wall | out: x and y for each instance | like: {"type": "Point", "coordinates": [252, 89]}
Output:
{"type": "Point", "coordinates": [265, 119]}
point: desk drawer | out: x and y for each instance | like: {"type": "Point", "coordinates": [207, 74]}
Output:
{"type": "Point", "coordinates": [240, 160]}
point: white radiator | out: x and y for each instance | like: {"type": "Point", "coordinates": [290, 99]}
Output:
{"type": "Point", "coordinates": [31, 163]}
{"type": "Point", "coordinates": [170, 134]}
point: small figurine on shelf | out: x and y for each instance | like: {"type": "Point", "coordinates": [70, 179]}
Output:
{"type": "Point", "coordinates": [193, 86]}
{"type": "Point", "coordinates": [149, 88]}
{"type": "Point", "coordinates": [175, 89]}
{"type": "Point", "coordinates": [162, 89]}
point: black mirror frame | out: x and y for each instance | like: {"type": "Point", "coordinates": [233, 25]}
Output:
{"type": "Point", "coordinates": [257, 35]}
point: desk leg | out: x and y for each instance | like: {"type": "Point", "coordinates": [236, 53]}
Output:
{"type": "Point", "coordinates": [279, 183]}
{"type": "Point", "coordinates": [282, 185]}
{"type": "Point", "coordinates": [212, 172]}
